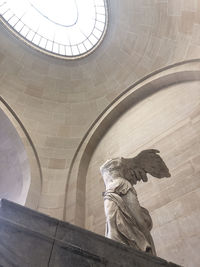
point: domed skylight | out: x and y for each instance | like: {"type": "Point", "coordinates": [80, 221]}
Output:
{"type": "Point", "coordinates": [63, 28]}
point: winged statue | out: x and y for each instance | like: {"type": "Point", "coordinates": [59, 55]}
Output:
{"type": "Point", "coordinates": [126, 221]}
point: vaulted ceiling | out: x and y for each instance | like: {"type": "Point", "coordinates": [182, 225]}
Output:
{"type": "Point", "coordinates": [57, 100]}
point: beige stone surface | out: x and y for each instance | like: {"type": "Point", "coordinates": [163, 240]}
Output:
{"type": "Point", "coordinates": [164, 121]}
{"type": "Point", "coordinates": [15, 175]}
{"type": "Point", "coordinates": [30, 179]}
{"type": "Point", "coordinates": [58, 100]}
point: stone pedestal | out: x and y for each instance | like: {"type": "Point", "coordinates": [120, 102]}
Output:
{"type": "Point", "coordinates": [29, 238]}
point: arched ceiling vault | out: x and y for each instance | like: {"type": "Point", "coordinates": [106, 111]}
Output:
{"type": "Point", "coordinates": [58, 100]}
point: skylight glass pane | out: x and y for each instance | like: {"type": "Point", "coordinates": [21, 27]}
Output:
{"type": "Point", "coordinates": [8, 15]}
{"type": "Point", "coordinates": [88, 44]}
{"type": "Point", "coordinates": [100, 18]}
{"type": "Point", "coordinates": [62, 50]}
{"type": "Point", "coordinates": [3, 9]}
{"type": "Point", "coordinates": [99, 2]}
{"type": "Point", "coordinates": [13, 21]}
{"type": "Point", "coordinates": [75, 36]}
{"type": "Point", "coordinates": [75, 50]}
{"type": "Point", "coordinates": [32, 23]}
{"type": "Point", "coordinates": [36, 39]}
{"type": "Point", "coordinates": [65, 27]}
{"type": "Point", "coordinates": [43, 42]}
{"type": "Point", "coordinates": [45, 30]}
{"type": "Point", "coordinates": [97, 33]}
{"type": "Point", "coordinates": [93, 39]}
{"type": "Point", "coordinates": [99, 25]}
{"type": "Point", "coordinates": [49, 45]}
{"type": "Point", "coordinates": [24, 31]}
{"type": "Point", "coordinates": [30, 35]}
{"type": "Point", "coordinates": [100, 10]}
{"type": "Point", "coordinates": [19, 26]}
{"type": "Point", "coordinates": [61, 36]}
{"type": "Point", "coordinates": [55, 48]}
{"type": "Point", "coordinates": [60, 11]}
{"type": "Point", "coordinates": [81, 48]}
{"type": "Point", "coordinates": [17, 8]}
{"type": "Point", "coordinates": [68, 51]}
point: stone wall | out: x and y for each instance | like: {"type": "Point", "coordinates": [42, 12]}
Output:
{"type": "Point", "coordinates": [57, 100]}
{"type": "Point", "coordinates": [29, 238]}
{"type": "Point", "coordinates": [20, 154]}
{"type": "Point", "coordinates": [168, 121]}
{"type": "Point", "coordinates": [15, 174]}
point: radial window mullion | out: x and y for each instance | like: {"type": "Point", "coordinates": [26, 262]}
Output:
{"type": "Point", "coordinates": [4, 12]}
{"type": "Point", "coordinates": [13, 20]}
{"type": "Point", "coordinates": [8, 14]}
{"type": "Point", "coordinates": [18, 26]}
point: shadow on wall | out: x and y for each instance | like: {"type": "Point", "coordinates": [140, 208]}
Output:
{"type": "Point", "coordinates": [20, 171]}
{"type": "Point", "coordinates": [160, 111]}
{"type": "Point", "coordinates": [14, 167]}
{"type": "Point", "coordinates": [179, 73]}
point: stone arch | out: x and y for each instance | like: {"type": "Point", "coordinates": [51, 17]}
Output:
{"type": "Point", "coordinates": [75, 190]}
{"type": "Point", "coordinates": [29, 171]}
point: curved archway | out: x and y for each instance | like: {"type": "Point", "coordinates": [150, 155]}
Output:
{"type": "Point", "coordinates": [149, 85]}
{"type": "Point", "coordinates": [172, 204]}
{"type": "Point", "coordinates": [15, 171]}
{"type": "Point", "coordinates": [22, 168]}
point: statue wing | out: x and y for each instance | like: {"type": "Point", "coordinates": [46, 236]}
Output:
{"type": "Point", "coordinates": [147, 161]}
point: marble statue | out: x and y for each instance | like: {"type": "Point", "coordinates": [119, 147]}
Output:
{"type": "Point", "coordinates": [126, 221]}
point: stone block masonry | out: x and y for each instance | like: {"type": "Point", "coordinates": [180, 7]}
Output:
{"type": "Point", "coordinates": [29, 238]}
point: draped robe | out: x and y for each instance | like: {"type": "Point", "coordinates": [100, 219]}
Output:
{"type": "Point", "coordinates": [126, 221]}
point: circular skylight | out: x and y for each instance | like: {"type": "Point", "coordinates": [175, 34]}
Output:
{"type": "Point", "coordinates": [63, 28]}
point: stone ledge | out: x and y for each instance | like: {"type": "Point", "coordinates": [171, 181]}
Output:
{"type": "Point", "coordinates": [26, 217]}
{"type": "Point", "coordinates": [27, 239]}
{"type": "Point", "coordinates": [23, 247]}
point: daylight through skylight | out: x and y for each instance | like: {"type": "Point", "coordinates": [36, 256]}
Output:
{"type": "Point", "coordinates": [66, 28]}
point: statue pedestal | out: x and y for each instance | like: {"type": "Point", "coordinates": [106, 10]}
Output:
{"type": "Point", "coordinates": [29, 238]}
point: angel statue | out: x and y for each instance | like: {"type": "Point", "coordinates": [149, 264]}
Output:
{"type": "Point", "coordinates": [126, 221]}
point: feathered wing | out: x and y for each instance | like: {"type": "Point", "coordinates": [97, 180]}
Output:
{"type": "Point", "coordinates": [147, 161]}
